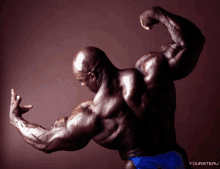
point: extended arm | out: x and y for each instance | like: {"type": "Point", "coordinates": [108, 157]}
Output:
{"type": "Point", "coordinates": [187, 41]}
{"type": "Point", "coordinates": [68, 134]}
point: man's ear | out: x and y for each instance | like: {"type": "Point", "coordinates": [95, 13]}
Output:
{"type": "Point", "coordinates": [93, 76]}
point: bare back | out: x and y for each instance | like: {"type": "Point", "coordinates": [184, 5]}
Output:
{"type": "Point", "coordinates": [137, 112]}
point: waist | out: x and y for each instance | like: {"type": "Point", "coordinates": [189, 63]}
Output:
{"type": "Point", "coordinates": [151, 151]}
{"type": "Point", "coordinates": [170, 160]}
{"type": "Point", "coordinates": [125, 155]}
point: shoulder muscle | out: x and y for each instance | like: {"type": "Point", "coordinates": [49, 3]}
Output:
{"type": "Point", "coordinates": [82, 117]}
{"type": "Point", "coordinates": [80, 126]}
{"type": "Point", "coordinates": [154, 66]}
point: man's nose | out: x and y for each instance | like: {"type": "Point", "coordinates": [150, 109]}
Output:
{"type": "Point", "coordinates": [82, 84]}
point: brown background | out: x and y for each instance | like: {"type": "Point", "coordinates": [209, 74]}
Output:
{"type": "Point", "coordinates": [39, 40]}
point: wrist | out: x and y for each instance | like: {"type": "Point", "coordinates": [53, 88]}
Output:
{"type": "Point", "coordinates": [158, 13]}
{"type": "Point", "coordinates": [14, 119]}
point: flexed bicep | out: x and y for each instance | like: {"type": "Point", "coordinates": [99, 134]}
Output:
{"type": "Point", "coordinates": [186, 46]}
{"type": "Point", "coordinates": [72, 133]}
{"type": "Point", "coordinates": [187, 41]}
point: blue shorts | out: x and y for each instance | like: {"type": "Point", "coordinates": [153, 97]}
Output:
{"type": "Point", "coordinates": [170, 160]}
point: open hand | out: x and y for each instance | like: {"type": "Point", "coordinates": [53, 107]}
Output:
{"type": "Point", "coordinates": [149, 18]}
{"type": "Point", "coordinates": [15, 109]}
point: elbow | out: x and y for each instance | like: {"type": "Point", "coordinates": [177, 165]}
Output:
{"type": "Point", "coordinates": [46, 151]}
{"type": "Point", "coordinates": [196, 45]}
{"type": "Point", "coordinates": [196, 41]}
{"type": "Point", "coordinates": [51, 147]}
{"type": "Point", "coordinates": [201, 40]}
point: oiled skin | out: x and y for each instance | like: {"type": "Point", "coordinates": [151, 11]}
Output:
{"type": "Point", "coordinates": [133, 109]}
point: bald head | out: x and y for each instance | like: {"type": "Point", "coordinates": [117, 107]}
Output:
{"type": "Point", "coordinates": [89, 59]}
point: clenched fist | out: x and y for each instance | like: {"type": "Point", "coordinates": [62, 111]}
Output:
{"type": "Point", "coordinates": [149, 18]}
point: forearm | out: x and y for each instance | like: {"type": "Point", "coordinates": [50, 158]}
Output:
{"type": "Point", "coordinates": [67, 133]}
{"type": "Point", "coordinates": [30, 132]}
{"type": "Point", "coordinates": [182, 31]}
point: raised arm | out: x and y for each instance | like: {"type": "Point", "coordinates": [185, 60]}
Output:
{"type": "Point", "coordinates": [187, 41]}
{"type": "Point", "coordinates": [68, 134]}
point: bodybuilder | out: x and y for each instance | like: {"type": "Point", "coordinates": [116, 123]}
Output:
{"type": "Point", "coordinates": [133, 109]}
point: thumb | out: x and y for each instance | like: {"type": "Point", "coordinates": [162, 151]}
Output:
{"type": "Point", "coordinates": [25, 108]}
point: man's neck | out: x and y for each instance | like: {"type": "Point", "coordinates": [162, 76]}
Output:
{"type": "Point", "coordinates": [108, 74]}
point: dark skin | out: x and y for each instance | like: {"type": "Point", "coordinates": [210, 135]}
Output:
{"type": "Point", "coordinates": [133, 109]}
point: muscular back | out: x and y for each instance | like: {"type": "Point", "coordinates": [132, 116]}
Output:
{"type": "Point", "coordinates": [154, 102]}
{"type": "Point", "coordinates": [136, 108]}
{"type": "Point", "coordinates": [158, 100]}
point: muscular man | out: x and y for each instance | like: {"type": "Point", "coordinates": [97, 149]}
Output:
{"type": "Point", "coordinates": [133, 109]}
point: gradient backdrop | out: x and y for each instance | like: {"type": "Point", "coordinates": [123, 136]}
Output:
{"type": "Point", "coordinates": [39, 40]}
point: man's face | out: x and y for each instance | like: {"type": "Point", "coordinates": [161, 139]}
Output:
{"type": "Point", "coordinates": [86, 80]}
